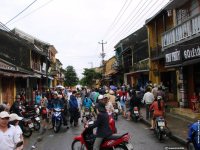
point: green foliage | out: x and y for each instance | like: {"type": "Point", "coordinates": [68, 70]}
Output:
{"type": "Point", "coordinates": [90, 77]}
{"type": "Point", "coordinates": [71, 78]}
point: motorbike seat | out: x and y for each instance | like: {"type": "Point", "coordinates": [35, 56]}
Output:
{"type": "Point", "coordinates": [115, 136]}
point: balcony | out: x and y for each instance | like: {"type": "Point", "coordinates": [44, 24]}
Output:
{"type": "Point", "coordinates": [188, 29]}
{"type": "Point", "coordinates": [156, 53]}
{"type": "Point", "coordinates": [36, 66]}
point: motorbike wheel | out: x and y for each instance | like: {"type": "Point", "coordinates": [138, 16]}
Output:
{"type": "Point", "coordinates": [27, 132]}
{"type": "Point", "coordinates": [57, 126]}
{"type": "Point", "coordinates": [115, 116]}
{"type": "Point", "coordinates": [122, 147]}
{"type": "Point", "coordinates": [160, 135]}
{"type": "Point", "coordinates": [190, 146]}
{"type": "Point", "coordinates": [36, 126]}
{"type": "Point", "coordinates": [77, 145]}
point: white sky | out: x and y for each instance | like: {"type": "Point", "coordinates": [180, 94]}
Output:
{"type": "Point", "coordinates": [75, 27]}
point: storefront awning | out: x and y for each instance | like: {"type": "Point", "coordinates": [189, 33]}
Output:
{"type": "Point", "coordinates": [14, 74]}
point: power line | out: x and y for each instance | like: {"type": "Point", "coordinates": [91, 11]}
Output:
{"type": "Point", "coordinates": [143, 6]}
{"type": "Point", "coordinates": [132, 12]}
{"type": "Point", "coordinates": [21, 12]}
{"type": "Point", "coordinates": [33, 11]}
{"type": "Point", "coordinates": [118, 17]}
{"type": "Point", "coordinates": [136, 20]}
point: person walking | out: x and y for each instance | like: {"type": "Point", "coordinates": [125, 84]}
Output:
{"type": "Point", "coordinates": [73, 109]}
{"type": "Point", "coordinates": [14, 120]}
{"type": "Point", "coordinates": [148, 98]}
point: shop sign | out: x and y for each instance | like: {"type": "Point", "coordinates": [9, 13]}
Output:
{"type": "Point", "coordinates": [172, 57]}
{"type": "Point", "coordinates": [6, 67]}
{"type": "Point", "coordinates": [191, 53]}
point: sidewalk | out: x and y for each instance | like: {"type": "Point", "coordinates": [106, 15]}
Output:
{"type": "Point", "coordinates": [178, 126]}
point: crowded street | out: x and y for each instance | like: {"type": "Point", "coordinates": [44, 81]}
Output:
{"type": "Point", "coordinates": [100, 75]}
{"type": "Point", "coordinates": [141, 137]}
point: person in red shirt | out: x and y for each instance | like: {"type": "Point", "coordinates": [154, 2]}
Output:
{"type": "Point", "coordinates": [194, 101]}
{"type": "Point", "coordinates": [158, 109]}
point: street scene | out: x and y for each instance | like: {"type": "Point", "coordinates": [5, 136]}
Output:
{"type": "Point", "coordinates": [100, 75]}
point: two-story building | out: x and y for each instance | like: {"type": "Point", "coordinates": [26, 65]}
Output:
{"type": "Point", "coordinates": [133, 58]}
{"type": "Point", "coordinates": [174, 48]}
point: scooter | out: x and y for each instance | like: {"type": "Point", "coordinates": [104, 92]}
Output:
{"type": "Point", "coordinates": [135, 114]}
{"type": "Point", "coordinates": [160, 128]}
{"type": "Point", "coordinates": [56, 119]}
{"type": "Point", "coordinates": [27, 126]}
{"type": "Point", "coordinates": [86, 115]}
{"type": "Point", "coordinates": [85, 141]}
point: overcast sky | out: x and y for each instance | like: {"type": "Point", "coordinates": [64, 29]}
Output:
{"type": "Point", "coordinates": [75, 27]}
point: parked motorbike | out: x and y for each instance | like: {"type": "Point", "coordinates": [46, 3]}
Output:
{"type": "Point", "coordinates": [32, 114]}
{"type": "Point", "coordinates": [56, 119]}
{"type": "Point", "coordinates": [160, 128]}
{"type": "Point", "coordinates": [135, 114]}
{"type": "Point", "coordinates": [87, 138]}
{"type": "Point", "coordinates": [27, 126]}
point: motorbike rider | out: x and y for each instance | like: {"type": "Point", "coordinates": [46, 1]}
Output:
{"type": "Point", "coordinates": [15, 108]}
{"type": "Point", "coordinates": [87, 102]}
{"type": "Point", "coordinates": [102, 123]}
{"type": "Point", "coordinates": [158, 110]}
{"type": "Point", "coordinates": [56, 103]}
{"type": "Point", "coordinates": [193, 134]}
{"type": "Point", "coordinates": [134, 102]}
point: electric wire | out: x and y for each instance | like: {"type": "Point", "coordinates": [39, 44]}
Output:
{"type": "Point", "coordinates": [33, 11]}
{"type": "Point", "coordinates": [21, 12]}
{"type": "Point", "coordinates": [117, 36]}
{"type": "Point", "coordinates": [117, 18]}
{"type": "Point", "coordinates": [127, 18]}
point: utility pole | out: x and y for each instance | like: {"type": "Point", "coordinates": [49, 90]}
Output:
{"type": "Point", "coordinates": [91, 63]}
{"type": "Point", "coordinates": [103, 54]}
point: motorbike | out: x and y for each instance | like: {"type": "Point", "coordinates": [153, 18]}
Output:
{"type": "Point", "coordinates": [160, 128]}
{"type": "Point", "coordinates": [86, 115]}
{"type": "Point", "coordinates": [27, 126]}
{"type": "Point", "coordinates": [31, 114]}
{"type": "Point", "coordinates": [116, 111]}
{"type": "Point", "coordinates": [57, 119]}
{"type": "Point", "coordinates": [135, 114]}
{"type": "Point", "coordinates": [85, 141]}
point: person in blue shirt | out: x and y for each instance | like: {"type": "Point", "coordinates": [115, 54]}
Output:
{"type": "Point", "coordinates": [38, 98]}
{"type": "Point", "coordinates": [194, 135]}
{"type": "Point", "coordinates": [73, 109]}
{"type": "Point", "coordinates": [87, 103]}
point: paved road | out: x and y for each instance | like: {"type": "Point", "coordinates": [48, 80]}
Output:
{"type": "Point", "coordinates": [141, 137]}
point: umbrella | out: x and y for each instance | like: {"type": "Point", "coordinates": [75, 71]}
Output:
{"type": "Point", "coordinates": [60, 87]}
{"type": "Point", "coordinates": [112, 87]}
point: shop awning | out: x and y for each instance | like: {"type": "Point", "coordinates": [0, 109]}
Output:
{"type": "Point", "coordinates": [14, 74]}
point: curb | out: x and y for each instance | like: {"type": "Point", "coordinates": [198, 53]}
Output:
{"type": "Point", "coordinates": [170, 135]}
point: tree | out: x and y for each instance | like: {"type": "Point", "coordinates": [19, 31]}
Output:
{"type": "Point", "coordinates": [71, 78]}
{"type": "Point", "coordinates": [90, 77]}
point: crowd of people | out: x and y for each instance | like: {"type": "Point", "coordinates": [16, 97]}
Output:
{"type": "Point", "coordinates": [73, 102]}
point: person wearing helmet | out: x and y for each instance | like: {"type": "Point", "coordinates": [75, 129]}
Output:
{"type": "Point", "coordinates": [158, 109]}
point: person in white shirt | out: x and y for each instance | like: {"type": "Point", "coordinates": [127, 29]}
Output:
{"type": "Point", "coordinates": [14, 120]}
{"type": "Point", "coordinates": [148, 99]}
{"type": "Point", "coordinates": [8, 133]}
